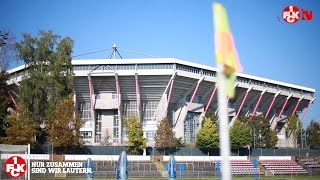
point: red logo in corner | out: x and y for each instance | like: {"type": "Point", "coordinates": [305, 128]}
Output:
{"type": "Point", "coordinates": [15, 166]}
{"type": "Point", "coordinates": [291, 14]}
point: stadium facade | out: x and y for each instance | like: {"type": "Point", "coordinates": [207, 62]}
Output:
{"type": "Point", "coordinates": [107, 90]}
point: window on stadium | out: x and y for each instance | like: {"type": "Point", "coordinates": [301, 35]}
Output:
{"type": "Point", "coordinates": [85, 110]}
{"type": "Point", "coordinates": [86, 134]}
{"type": "Point", "coordinates": [199, 99]}
{"type": "Point", "coordinates": [188, 98]}
{"type": "Point", "coordinates": [129, 108]}
{"type": "Point", "coordinates": [191, 125]}
{"type": "Point", "coordinates": [98, 125]}
{"type": "Point", "coordinates": [150, 134]}
{"type": "Point", "coordinates": [149, 108]}
{"type": "Point", "coordinates": [116, 127]}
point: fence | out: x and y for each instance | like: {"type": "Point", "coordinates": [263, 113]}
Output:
{"type": "Point", "coordinates": [193, 151]}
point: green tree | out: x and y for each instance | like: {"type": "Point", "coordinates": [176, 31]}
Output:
{"type": "Point", "coordinates": [272, 141]}
{"type": "Point", "coordinates": [50, 76]}
{"type": "Point", "coordinates": [20, 129]}
{"type": "Point", "coordinates": [313, 135]}
{"type": "Point", "coordinates": [179, 142]}
{"type": "Point", "coordinates": [4, 99]}
{"type": "Point", "coordinates": [64, 127]}
{"type": "Point", "coordinates": [214, 118]}
{"type": "Point", "coordinates": [207, 137]}
{"type": "Point", "coordinates": [136, 142]}
{"type": "Point", "coordinates": [294, 127]}
{"type": "Point", "coordinates": [239, 135]}
{"type": "Point", "coordinates": [164, 137]}
{"type": "Point", "coordinates": [260, 130]}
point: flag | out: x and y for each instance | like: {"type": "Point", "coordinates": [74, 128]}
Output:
{"type": "Point", "coordinates": [226, 54]}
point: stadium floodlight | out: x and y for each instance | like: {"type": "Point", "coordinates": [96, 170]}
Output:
{"type": "Point", "coordinates": [16, 161]}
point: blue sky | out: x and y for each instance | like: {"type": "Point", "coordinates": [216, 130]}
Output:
{"type": "Point", "coordinates": [182, 29]}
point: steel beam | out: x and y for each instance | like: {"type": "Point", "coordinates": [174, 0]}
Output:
{"type": "Point", "coordinates": [258, 102]}
{"type": "Point", "coordinates": [169, 83]}
{"type": "Point", "coordinates": [296, 107]}
{"type": "Point", "coordinates": [194, 93]}
{"type": "Point", "coordinates": [307, 110]}
{"type": "Point", "coordinates": [13, 100]}
{"type": "Point", "coordinates": [211, 97]}
{"type": "Point", "coordinates": [137, 94]}
{"type": "Point", "coordinates": [274, 98]}
{"type": "Point", "coordinates": [284, 105]}
{"type": "Point", "coordinates": [91, 92]}
{"type": "Point", "coordinates": [169, 95]}
{"type": "Point", "coordinates": [119, 106]}
{"type": "Point", "coordinates": [244, 99]}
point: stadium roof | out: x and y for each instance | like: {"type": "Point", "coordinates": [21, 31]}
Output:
{"type": "Point", "coordinates": [166, 61]}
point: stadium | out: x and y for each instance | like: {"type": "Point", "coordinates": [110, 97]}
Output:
{"type": "Point", "coordinates": [107, 90]}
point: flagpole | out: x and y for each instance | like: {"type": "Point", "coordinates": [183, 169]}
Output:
{"type": "Point", "coordinates": [223, 126]}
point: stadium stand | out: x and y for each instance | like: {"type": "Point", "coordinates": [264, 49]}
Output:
{"type": "Point", "coordinates": [243, 167]}
{"type": "Point", "coordinates": [310, 163]}
{"type": "Point", "coordinates": [281, 167]}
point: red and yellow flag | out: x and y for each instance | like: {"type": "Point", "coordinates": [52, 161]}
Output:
{"type": "Point", "coordinates": [226, 53]}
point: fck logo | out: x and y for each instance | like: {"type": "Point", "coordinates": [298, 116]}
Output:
{"type": "Point", "coordinates": [291, 14]}
{"type": "Point", "coordinates": [15, 166]}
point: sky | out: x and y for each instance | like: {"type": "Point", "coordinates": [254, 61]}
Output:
{"type": "Point", "coordinates": [267, 46]}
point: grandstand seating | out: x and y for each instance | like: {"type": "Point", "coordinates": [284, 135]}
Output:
{"type": "Point", "coordinates": [200, 168]}
{"type": "Point", "coordinates": [282, 167]}
{"type": "Point", "coordinates": [310, 163]}
{"type": "Point", "coordinates": [243, 167]}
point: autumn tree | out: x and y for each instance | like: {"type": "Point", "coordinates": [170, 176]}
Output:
{"type": "Point", "coordinates": [20, 129]}
{"type": "Point", "coordinates": [136, 142]}
{"type": "Point", "coordinates": [50, 75]}
{"type": "Point", "coordinates": [164, 137]}
{"type": "Point", "coordinates": [239, 135]}
{"type": "Point", "coordinates": [207, 137]}
{"type": "Point", "coordinates": [64, 126]}
{"type": "Point", "coordinates": [313, 135]}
